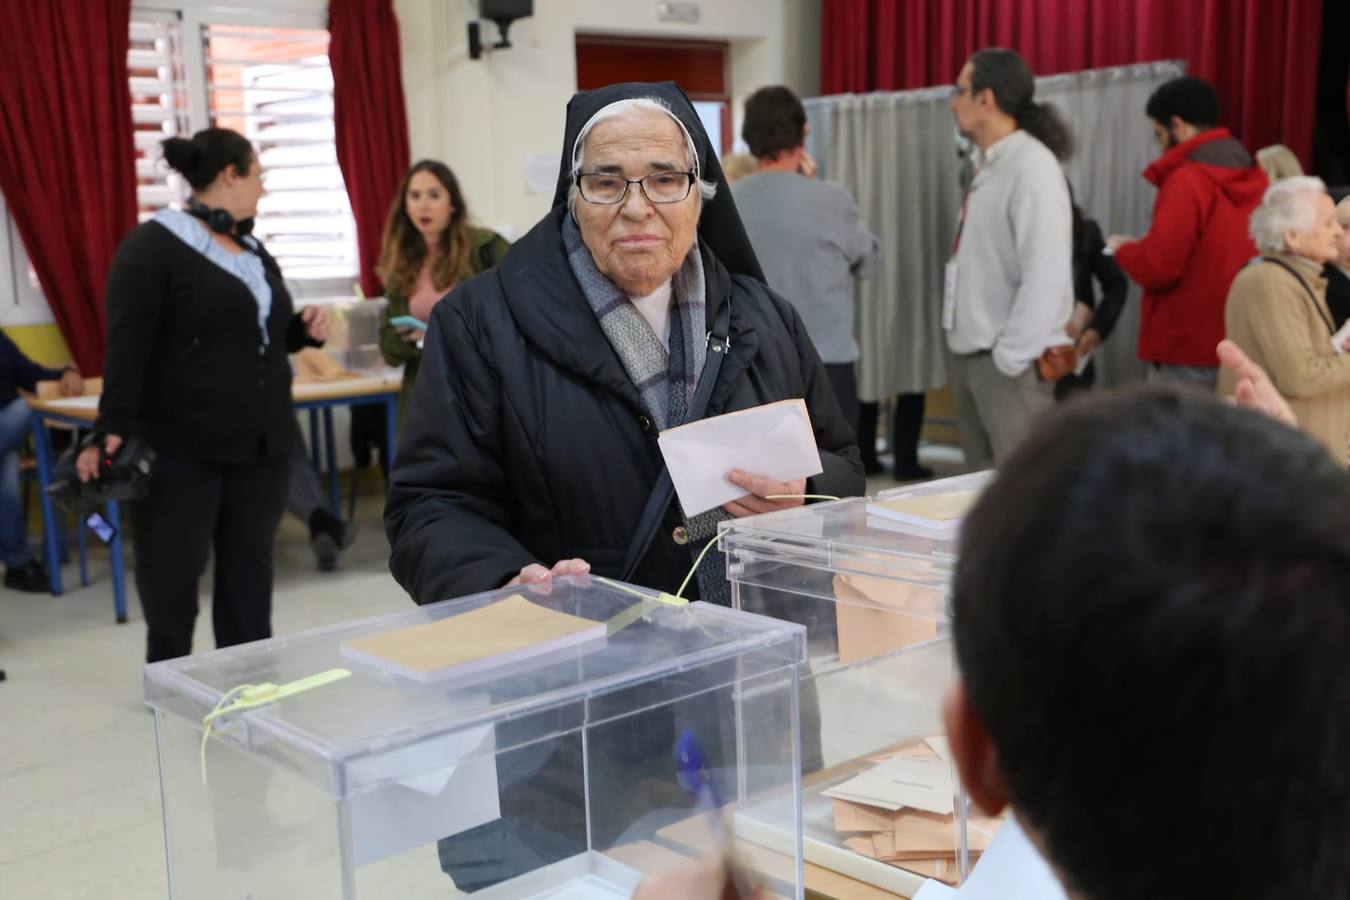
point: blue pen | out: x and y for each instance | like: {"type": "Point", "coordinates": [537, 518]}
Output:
{"type": "Point", "coordinates": [694, 777]}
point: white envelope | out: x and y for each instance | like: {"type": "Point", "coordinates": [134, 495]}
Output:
{"type": "Point", "coordinates": [774, 440]}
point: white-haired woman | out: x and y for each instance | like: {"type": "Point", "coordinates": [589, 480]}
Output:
{"type": "Point", "coordinates": [1277, 310]}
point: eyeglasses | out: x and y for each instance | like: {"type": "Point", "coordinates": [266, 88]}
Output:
{"type": "Point", "coordinates": [658, 187]}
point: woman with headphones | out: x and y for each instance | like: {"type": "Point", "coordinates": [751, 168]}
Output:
{"type": "Point", "coordinates": [199, 328]}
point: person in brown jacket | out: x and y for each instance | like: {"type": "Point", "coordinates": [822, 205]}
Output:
{"type": "Point", "coordinates": [1277, 310]}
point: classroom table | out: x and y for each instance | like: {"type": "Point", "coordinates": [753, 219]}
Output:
{"type": "Point", "coordinates": [315, 395]}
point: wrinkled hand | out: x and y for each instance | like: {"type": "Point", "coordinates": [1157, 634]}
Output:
{"type": "Point", "coordinates": [535, 573]}
{"type": "Point", "coordinates": [1255, 390]}
{"type": "Point", "coordinates": [316, 323]}
{"type": "Point", "coordinates": [71, 384]}
{"type": "Point", "coordinates": [86, 464]}
{"type": "Point", "coordinates": [698, 879]}
{"type": "Point", "coordinates": [1116, 241]}
{"type": "Point", "coordinates": [1088, 341]}
{"type": "Point", "coordinates": [760, 488]}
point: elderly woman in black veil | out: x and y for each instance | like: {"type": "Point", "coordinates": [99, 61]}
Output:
{"type": "Point", "coordinates": [530, 442]}
{"type": "Point", "coordinates": [529, 446]}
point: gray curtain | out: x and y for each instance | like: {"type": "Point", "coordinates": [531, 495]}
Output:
{"type": "Point", "coordinates": [896, 153]}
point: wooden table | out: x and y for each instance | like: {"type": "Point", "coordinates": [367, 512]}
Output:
{"type": "Point", "coordinates": [317, 396]}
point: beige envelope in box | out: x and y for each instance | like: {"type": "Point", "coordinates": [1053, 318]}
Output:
{"type": "Point", "coordinates": [877, 615]}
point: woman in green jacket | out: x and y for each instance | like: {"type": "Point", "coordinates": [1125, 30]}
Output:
{"type": "Point", "coordinates": [428, 247]}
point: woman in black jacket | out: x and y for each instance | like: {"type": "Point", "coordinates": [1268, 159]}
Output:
{"type": "Point", "coordinates": [1092, 321]}
{"type": "Point", "coordinates": [199, 327]}
{"type": "Point", "coordinates": [528, 448]}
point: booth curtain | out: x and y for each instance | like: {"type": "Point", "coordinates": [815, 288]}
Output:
{"type": "Point", "coordinates": [1261, 55]}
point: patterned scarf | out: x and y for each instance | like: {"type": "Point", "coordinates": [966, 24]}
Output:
{"type": "Point", "coordinates": [665, 378]}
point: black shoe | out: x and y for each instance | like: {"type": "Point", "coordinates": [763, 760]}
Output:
{"type": "Point", "coordinates": [329, 535]}
{"type": "Point", "coordinates": [913, 473]}
{"type": "Point", "coordinates": [31, 577]}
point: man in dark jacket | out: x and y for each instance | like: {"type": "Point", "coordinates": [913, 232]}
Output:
{"type": "Point", "coordinates": [1338, 270]}
{"type": "Point", "coordinates": [1208, 186]}
{"type": "Point", "coordinates": [527, 442]}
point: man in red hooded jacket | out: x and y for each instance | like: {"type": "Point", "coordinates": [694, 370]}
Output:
{"type": "Point", "coordinates": [1208, 186]}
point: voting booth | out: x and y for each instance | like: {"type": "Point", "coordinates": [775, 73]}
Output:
{"type": "Point", "coordinates": [869, 579]}
{"type": "Point", "coordinates": [528, 742]}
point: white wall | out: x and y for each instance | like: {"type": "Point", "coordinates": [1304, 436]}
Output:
{"type": "Point", "coordinates": [485, 117]}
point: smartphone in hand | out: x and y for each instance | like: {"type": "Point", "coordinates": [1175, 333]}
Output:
{"type": "Point", "coordinates": [408, 322]}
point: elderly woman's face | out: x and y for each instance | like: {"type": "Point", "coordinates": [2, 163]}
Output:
{"type": "Point", "coordinates": [638, 244]}
{"type": "Point", "coordinates": [1343, 243]}
{"type": "Point", "coordinates": [1319, 243]}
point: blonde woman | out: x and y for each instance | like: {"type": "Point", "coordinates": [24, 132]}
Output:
{"type": "Point", "coordinates": [428, 247]}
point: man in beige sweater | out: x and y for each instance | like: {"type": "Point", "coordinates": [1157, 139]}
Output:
{"type": "Point", "coordinates": [1277, 310]}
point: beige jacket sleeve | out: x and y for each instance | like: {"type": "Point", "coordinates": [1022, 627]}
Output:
{"type": "Point", "coordinates": [1294, 340]}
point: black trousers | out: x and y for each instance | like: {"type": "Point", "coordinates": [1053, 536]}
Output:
{"type": "Point", "coordinates": [192, 509]}
{"type": "Point", "coordinates": [906, 426]}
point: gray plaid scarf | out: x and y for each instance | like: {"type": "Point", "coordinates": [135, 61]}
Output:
{"type": "Point", "coordinates": [665, 378]}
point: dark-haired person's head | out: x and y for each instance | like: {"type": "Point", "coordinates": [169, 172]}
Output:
{"type": "Point", "coordinates": [775, 123]}
{"type": "Point", "coordinates": [1151, 621]}
{"type": "Point", "coordinates": [222, 169]}
{"type": "Point", "coordinates": [995, 93]}
{"type": "Point", "coordinates": [1182, 108]}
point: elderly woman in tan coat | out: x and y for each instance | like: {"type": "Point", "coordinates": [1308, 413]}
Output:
{"type": "Point", "coordinates": [1277, 310]}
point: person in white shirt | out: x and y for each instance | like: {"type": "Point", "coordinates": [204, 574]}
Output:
{"type": "Point", "coordinates": [1009, 285]}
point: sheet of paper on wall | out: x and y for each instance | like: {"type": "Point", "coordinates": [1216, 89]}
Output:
{"type": "Point", "coordinates": [902, 782]}
{"type": "Point", "coordinates": [541, 173]}
{"type": "Point", "coordinates": [935, 512]}
{"type": "Point", "coordinates": [502, 633]}
{"type": "Point", "coordinates": [774, 440]}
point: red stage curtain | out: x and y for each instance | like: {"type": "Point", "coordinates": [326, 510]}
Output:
{"type": "Point", "coordinates": [67, 160]}
{"type": "Point", "coordinates": [1261, 55]}
{"type": "Point", "coordinates": [369, 117]}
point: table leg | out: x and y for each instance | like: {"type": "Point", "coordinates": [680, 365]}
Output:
{"type": "Point", "coordinates": [45, 462]}
{"type": "Point", "coordinates": [314, 439]}
{"type": "Point", "coordinates": [115, 555]}
{"type": "Point", "coordinates": [330, 450]}
{"type": "Point", "coordinates": [83, 544]}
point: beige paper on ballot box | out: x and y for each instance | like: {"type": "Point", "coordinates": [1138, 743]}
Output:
{"type": "Point", "coordinates": [507, 631]}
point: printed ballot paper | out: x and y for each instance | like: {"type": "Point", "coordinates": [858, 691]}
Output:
{"type": "Point", "coordinates": [774, 440]}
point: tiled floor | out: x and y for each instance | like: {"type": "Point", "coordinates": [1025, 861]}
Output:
{"type": "Point", "coordinates": [79, 791]}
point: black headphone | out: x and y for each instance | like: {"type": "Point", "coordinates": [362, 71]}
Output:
{"type": "Point", "coordinates": [219, 220]}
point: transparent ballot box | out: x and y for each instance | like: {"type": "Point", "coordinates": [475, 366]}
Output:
{"type": "Point", "coordinates": [528, 742]}
{"type": "Point", "coordinates": [869, 578]}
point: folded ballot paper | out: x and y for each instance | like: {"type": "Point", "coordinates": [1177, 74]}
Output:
{"type": "Point", "coordinates": [774, 440]}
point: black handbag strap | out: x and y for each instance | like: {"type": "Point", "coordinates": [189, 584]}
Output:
{"type": "Point", "coordinates": [658, 501]}
{"type": "Point", "coordinates": [1317, 307]}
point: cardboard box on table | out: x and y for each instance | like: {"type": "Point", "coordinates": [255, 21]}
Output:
{"type": "Point", "coordinates": [547, 775]}
{"type": "Point", "coordinates": [872, 590]}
